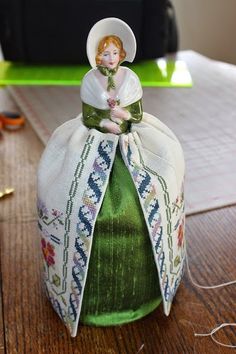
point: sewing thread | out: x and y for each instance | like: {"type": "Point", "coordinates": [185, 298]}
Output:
{"type": "Point", "coordinates": [223, 325]}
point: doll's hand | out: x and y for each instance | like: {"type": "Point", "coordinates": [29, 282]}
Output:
{"type": "Point", "coordinates": [110, 126]}
{"type": "Point", "coordinates": [118, 112]}
{"type": "Point", "coordinates": [116, 120]}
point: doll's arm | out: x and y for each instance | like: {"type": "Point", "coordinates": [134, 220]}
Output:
{"type": "Point", "coordinates": [92, 116]}
{"type": "Point", "coordinates": [136, 111]}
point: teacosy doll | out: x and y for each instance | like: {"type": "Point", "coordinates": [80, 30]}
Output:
{"type": "Point", "coordinates": [110, 197]}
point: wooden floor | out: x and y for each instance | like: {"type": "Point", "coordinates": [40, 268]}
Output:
{"type": "Point", "coordinates": [28, 324]}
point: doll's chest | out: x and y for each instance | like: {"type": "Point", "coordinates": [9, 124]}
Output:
{"type": "Point", "coordinates": [118, 80]}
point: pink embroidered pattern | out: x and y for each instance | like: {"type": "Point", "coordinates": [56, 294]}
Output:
{"type": "Point", "coordinates": [181, 234]}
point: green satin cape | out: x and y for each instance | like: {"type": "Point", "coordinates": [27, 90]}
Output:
{"type": "Point", "coordinates": [122, 283]}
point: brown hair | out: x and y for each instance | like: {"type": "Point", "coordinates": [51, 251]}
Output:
{"type": "Point", "coordinates": [105, 43]}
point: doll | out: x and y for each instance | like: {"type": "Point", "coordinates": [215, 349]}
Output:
{"type": "Point", "coordinates": [110, 197]}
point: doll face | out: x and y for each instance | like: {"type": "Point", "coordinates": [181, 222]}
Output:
{"type": "Point", "coordinates": [110, 56]}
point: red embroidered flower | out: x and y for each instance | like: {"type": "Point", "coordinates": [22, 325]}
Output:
{"type": "Point", "coordinates": [48, 252]}
{"type": "Point", "coordinates": [56, 212]}
{"type": "Point", "coordinates": [181, 234]}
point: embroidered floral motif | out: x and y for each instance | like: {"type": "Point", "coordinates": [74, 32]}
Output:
{"type": "Point", "coordinates": [177, 261]}
{"type": "Point", "coordinates": [42, 210]}
{"type": "Point", "coordinates": [56, 280]}
{"type": "Point", "coordinates": [177, 205]}
{"type": "Point", "coordinates": [48, 252]}
{"type": "Point", "coordinates": [181, 234]}
{"type": "Point", "coordinates": [53, 217]}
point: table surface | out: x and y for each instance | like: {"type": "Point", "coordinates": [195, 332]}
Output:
{"type": "Point", "coordinates": [28, 324]}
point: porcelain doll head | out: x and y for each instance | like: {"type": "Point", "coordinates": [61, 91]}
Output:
{"type": "Point", "coordinates": [110, 34]}
{"type": "Point", "coordinates": [110, 52]}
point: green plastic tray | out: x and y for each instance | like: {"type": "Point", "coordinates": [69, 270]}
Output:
{"type": "Point", "coordinates": [154, 73]}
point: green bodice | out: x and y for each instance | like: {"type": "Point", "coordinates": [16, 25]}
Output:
{"type": "Point", "coordinates": [122, 283]}
{"type": "Point", "coordinates": [92, 116]}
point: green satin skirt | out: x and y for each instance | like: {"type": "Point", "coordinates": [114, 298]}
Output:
{"type": "Point", "coordinates": [122, 283]}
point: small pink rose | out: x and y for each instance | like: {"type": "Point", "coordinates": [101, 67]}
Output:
{"type": "Point", "coordinates": [111, 103]}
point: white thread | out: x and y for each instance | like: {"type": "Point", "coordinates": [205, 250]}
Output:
{"type": "Point", "coordinates": [214, 331]}
{"type": "Point", "coordinates": [223, 324]}
{"type": "Point", "coordinates": [141, 348]}
{"type": "Point", "coordinates": [203, 286]}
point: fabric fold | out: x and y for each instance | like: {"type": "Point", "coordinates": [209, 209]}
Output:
{"type": "Point", "coordinates": [158, 194]}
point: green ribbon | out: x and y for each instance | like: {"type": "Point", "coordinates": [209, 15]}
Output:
{"type": "Point", "coordinates": [109, 73]}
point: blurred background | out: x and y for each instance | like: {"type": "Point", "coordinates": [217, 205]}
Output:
{"type": "Point", "coordinates": [208, 27]}
{"type": "Point", "coordinates": [56, 31]}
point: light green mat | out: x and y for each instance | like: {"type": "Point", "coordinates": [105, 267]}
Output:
{"type": "Point", "coordinates": [155, 73]}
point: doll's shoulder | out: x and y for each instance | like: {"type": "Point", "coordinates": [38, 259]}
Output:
{"type": "Point", "coordinates": [131, 89]}
{"type": "Point", "coordinates": [88, 76]}
{"type": "Point", "coordinates": [130, 74]}
{"type": "Point", "coordinates": [89, 86]}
